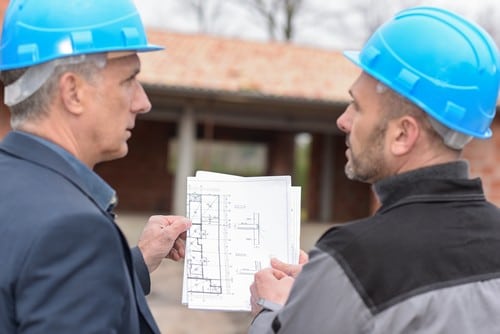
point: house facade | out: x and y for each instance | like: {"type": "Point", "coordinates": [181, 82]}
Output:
{"type": "Point", "coordinates": [210, 89]}
{"type": "Point", "coordinates": [211, 92]}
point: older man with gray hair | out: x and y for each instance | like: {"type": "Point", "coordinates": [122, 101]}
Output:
{"type": "Point", "coordinates": [70, 70]}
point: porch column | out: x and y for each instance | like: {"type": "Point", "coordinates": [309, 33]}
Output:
{"type": "Point", "coordinates": [185, 158]}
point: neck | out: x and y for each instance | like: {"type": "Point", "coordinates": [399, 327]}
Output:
{"type": "Point", "coordinates": [58, 133]}
{"type": "Point", "coordinates": [425, 154]}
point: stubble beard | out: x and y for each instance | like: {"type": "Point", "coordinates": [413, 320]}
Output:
{"type": "Point", "coordinates": [368, 165]}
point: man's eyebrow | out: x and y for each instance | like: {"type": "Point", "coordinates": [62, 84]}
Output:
{"type": "Point", "coordinates": [354, 101]}
{"type": "Point", "coordinates": [133, 73]}
{"type": "Point", "coordinates": [352, 95]}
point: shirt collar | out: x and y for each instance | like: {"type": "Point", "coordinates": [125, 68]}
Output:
{"type": "Point", "coordinates": [101, 192]}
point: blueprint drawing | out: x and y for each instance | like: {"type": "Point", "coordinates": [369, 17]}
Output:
{"type": "Point", "coordinates": [238, 225]}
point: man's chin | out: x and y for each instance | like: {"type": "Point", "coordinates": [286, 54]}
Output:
{"type": "Point", "coordinates": [122, 153]}
{"type": "Point", "coordinates": [118, 154]}
{"type": "Point", "coordinates": [349, 172]}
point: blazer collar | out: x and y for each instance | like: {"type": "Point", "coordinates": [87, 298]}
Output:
{"type": "Point", "coordinates": [29, 149]}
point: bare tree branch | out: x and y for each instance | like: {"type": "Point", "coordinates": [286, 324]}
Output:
{"type": "Point", "coordinates": [488, 18]}
{"type": "Point", "coordinates": [206, 12]}
{"type": "Point", "coordinates": [278, 15]}
{"type": "Point", "coordinates": [348, 24]}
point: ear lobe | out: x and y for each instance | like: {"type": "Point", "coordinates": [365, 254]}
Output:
{"type": "Point", "coordinates": [70, 88]}
{"type": "Point", "coordinates": [406, 132]}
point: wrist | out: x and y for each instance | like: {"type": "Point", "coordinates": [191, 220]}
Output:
{"type": "Point", "coordinates": [269, 305]}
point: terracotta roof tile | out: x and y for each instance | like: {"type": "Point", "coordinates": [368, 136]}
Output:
{"type": "Point", "coordinates": [276, 69]}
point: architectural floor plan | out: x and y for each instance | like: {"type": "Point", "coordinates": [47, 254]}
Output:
{"type": "Point", "coordinates": [238, 225]}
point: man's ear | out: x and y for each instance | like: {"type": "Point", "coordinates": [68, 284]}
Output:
{"type": "Point", "coordinates": [71, 88]}
{"type": "Point", "coordinates": [404, 134]}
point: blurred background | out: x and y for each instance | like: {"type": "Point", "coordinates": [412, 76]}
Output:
{"type": "Point", "coordinates": [331, 24]}
{"type": "Point", "coordinates": [254, 87]}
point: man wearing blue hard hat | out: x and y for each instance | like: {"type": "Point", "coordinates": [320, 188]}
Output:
{"type": "Point", "coordinates": [70, 72]}
{"type": "Point", "coordinates": [426, 261]}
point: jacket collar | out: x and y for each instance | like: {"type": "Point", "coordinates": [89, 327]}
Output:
{"type": "Point", "coordinates": [438, 182]}
{"type": "Point", "coordinates": [27, 148]}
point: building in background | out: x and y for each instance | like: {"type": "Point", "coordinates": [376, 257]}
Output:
{"type": "Point", "coordinates": [244, 107]}
{"type": "Point", "coordinates": [213, 95]}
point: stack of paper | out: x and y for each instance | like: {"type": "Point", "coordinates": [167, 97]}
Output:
{"type": "Point", "coordinates": [239, 224]}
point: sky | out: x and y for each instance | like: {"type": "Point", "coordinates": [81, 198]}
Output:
{"type": "Point", "coordinates": [236, 22]}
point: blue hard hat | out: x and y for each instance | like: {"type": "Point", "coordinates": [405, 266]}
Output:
{"type": "Point", "coordinates": [440, 61]}
{"type": "Point", "coordinates": [36, 31]}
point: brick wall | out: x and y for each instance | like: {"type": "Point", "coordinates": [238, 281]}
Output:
{"type": "Point", "coordinates": [141, 178]}
{"type": "Point", "coordinates": [351, 199]}
{"type": "Point", "coordinates": [3, 6]}
{"type": "Point", "coordinates": [4, 113]}
{"type": "Point", "coordinates": [484, 157]}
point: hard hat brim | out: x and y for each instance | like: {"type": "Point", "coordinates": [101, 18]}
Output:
{"type": "Point", "coordinates": [353, 56]}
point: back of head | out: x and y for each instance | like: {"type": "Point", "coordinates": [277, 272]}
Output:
{"type": "Point", "coordinates": [36, 33]}
{"type": "Point", "coordinates": [443, 63]}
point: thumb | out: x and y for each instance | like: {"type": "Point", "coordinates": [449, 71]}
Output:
{"type": "Point", "coordinates": [303, 257]}
{"type": "Point", "coordinates": [178, 224]}
{"type": "Point", "coordinates": [282, 266]}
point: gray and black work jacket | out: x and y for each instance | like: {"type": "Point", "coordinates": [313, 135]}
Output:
{"type": "Point", "coordinates": [428, 261]}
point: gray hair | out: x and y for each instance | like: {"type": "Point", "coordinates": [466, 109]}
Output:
{"type": "Point", "coordinates": [29, 91]}
{"type": "Point", "coordinates": [400, 105]}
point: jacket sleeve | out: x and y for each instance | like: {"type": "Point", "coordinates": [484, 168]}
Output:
{"type": "Point", "coordinates": [74, 278]}
{"type": "Point", "coordinates": [322, 300]}
{"type": "Point", "coordinates": [141, 270]}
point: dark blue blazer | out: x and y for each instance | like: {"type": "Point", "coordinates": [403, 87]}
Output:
{"type": "Point", "coordinates": [65, 267]}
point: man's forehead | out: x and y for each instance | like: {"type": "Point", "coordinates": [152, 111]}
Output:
{"type": "Point", "coordinates": [128, 59]}
{"type": "Point", "coordinates": [363, 83]}
{"type": "Point", "coordinates": [120, 54]}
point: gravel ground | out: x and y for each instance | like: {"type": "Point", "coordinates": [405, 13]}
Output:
{"type": "Point", "coordinates": [165, 299]}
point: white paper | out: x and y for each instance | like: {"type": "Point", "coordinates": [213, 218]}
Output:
{"type": "Point", "coordinates": [239, 223]}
